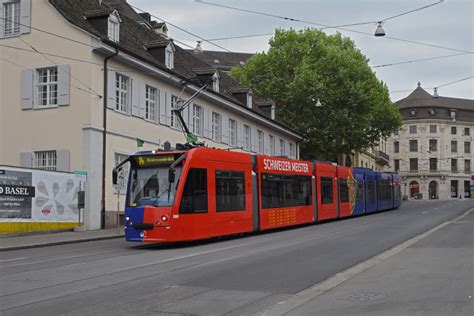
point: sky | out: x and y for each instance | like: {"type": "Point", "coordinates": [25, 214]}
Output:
{"type": "Point", "coordinates": [448, 24]}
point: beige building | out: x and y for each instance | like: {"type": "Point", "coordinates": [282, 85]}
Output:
{"type": "Point", "coordinates": [82, 80]}
{"type": "Point", "coordinates": [375, 158]}
{"type": "Point", "coordinates": [433, 149]}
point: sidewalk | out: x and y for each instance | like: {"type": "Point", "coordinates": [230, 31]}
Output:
{"type": "Point", "coordinates": [48, 239]}
{"type": "Point", "coordinates": [433, 275]}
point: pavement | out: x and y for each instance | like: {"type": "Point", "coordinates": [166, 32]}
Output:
{"type": "Point", "coordinates": [431, 274]}
{"type": "Point", "coordinates": [57, 238]}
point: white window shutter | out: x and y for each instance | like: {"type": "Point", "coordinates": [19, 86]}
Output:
{"type": "Point", "coordinates": [206, 124]}
{"type": "Point", "coordinates": [168, 108]}
{"type": "Point", "coordinates": [25, 11]}
{"type": "Point", "coordinates": [129, 96]}
{"type": "Point", "coordinates": [135, 96]}
{"type": "Point", "coordinates": [157, 106]}
{"type": "Point", "coordinates": [191, 122]}
{"type": "Point", "coordinates": [27, 87]}
{"type": "Point", "coordinates": [163, 107]}
{"type": "Point", "coordinates": [1, 21]}
{"type": "Point", "coordinates": [111, 89]}
{"type": "Point", "coordinates": [63, 163]}
{"type": "Point", "coordinates": [26, 160]}
{"type": "Point", "coordinates": [64, 79]}
{"type": "Point", "coordinates": [142, 100]}
{"type": "Point", "coordinates": [225, 129]}
{"type": "Point", "coordinates": [240, 134]}
{"type": "Point", "coordinates": [277, 147]}
{"type": "Point", "coordinates": [253, 139]}
{"type": "Point", "coordinates": [185, 115]}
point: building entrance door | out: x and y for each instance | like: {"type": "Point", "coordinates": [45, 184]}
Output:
{"type": "Point", "coordinates": [414, 190]}
{"type": "Point", "coordinates": [433, 190]}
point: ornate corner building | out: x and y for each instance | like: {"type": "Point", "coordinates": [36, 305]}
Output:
{"type": "Point", "coordinates": [433, 149]}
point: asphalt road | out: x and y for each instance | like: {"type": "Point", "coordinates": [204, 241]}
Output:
{"type": "Point", "coordinates": [233, 276]}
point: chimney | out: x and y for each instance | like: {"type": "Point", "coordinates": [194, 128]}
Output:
{"type": "Point", "coordinates": [435, 94]}
{"type": "Point", "coordinates": [273, 112]}
{"type": "Point", "coordinates": [198, 48]}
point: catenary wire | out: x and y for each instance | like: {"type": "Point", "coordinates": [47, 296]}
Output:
{"type": "Point", "coordinates": [418, 60]}
{"type": "Point", "coordinates": [438, 86]}
{"type": "Point", "coordinates": [59, 66]}
{"type": "Point", "coordinates": [181, 29]}
{"type": "Point", "coordinates": [74, 86]}
{"type": "Point", "coordinates": [325, 26]}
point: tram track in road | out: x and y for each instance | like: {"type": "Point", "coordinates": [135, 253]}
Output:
{"type": "Point", "coordinates": [182, 269]}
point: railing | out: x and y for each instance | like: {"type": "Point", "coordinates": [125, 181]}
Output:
{"type": "Point", "coordinates": [382, 157]}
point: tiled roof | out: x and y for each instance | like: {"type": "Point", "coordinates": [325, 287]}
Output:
{"type": "Point", "coordinates": [97, 13]}
{"type": "Point", "coordinates": [134, 39]}
{"type": "Point", "coordinates": [420, 98]}
{"type": "Point", "coordinates": [225, 60]}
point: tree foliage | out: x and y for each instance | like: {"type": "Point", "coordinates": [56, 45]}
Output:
{"type": "Point", "coordinates": [303, 66]}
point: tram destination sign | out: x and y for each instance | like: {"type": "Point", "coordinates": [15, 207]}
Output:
{"type": "Point", "coordinates": [284, 165]}
{"type": "Point", "coordinates": [154, 161]}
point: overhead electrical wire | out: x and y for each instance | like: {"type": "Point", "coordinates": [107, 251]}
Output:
{"type": "Point", "coordinates": [418, 60]}
{"type": "Point", "coordinates": [438, 86]}
{"type": "Point", "coordinates": [325, 26]}
{"type": "Point", "coordinates": [59, 66]}
{"type": "Point", "coordinates": [74, 86]}
{"type": "Point", "coordinates": [181, 29]}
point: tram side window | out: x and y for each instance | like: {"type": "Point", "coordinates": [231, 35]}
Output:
{"type": "Point", "coordinates": [360, 190]}
{"type": "Point", "coordinates": [326, 190]}
{"type": "Point", "coordinates": [397, 191]}
{"type": "Point", "coordinates": [194, 198]}
{"type": "Point", "coordinates": [230, 191]}
{"type": "Point", "coordinates": [370, 191]}
{"type": "Point", "coordinates": [280, 190]}
{"type": "Point", "coordinates": [383, 192]}
{"type": "Point", "coordinates": [344, 190]}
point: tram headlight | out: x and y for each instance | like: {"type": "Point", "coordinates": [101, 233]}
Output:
{"type": "Point", "coordinates": [164, 218]}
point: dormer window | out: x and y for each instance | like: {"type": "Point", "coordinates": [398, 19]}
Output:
{"type": "Point", "coordinates": [215, 82]}
{"type": "Point", "coordinates": [412, 112]}
{"type": "Point", "coordinates": [452, 115]}
{"type": "Point", "coordinates": [249, 99]}
{"type": "Point", "coordinates": [432, 112]}
{"type": "Point", "coordinates": [169, 57]}
{"type": "Point", "coordinates": [114, 27]}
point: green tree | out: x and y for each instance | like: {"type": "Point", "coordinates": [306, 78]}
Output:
{"type": "Point", "coordinates": [303, 66]}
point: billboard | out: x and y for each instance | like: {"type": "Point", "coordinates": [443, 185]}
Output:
{"type": "Point", "coordinates": [30, 195]}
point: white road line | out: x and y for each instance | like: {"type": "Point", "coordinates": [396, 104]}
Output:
{"type": "Point", "coordinates": [319, 289]}
{"type": "Point", "coordinates": [14, 259]}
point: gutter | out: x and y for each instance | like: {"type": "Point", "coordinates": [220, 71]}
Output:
{"type": "Point", "coordinates": [104, 136]}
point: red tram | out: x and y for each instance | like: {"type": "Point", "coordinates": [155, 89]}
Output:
{"type": "Point", "coordinates": [201, 193]}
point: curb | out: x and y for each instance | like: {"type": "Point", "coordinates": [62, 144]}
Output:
{"type": "Point", "coordinates": [296, 300]}
{"type": "Point", "coordinates": [62, 242]}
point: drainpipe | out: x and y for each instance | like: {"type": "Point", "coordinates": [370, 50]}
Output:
{"type": "Point", "coordinates": [104, 137]}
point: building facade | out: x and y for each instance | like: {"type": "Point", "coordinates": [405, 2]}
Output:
{"type": "Point", "coordinates": [433, 149]}
{"type": "Point", "coordinates": [81, 81]}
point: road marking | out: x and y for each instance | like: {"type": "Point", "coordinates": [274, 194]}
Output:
{"type": "Point", "coordinates": [425, 212]}
{"type": "Point", "coordinates": [319, 289]}
{"type": "Point", "coordinates": [14, 259]}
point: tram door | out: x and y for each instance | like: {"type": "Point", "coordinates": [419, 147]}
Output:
{"type": "Point", "coordinates": [230, 202]}
{"type": "Point", "coordinates": [194, 218]}
{"type": "Point", "coordinates": [327, 191]}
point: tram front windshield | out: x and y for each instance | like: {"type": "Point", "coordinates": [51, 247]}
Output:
{"type": "Point", "coordinates": [150, 186]}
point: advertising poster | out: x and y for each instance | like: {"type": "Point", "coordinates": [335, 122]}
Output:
{"type": "Point", "coordinates": [38, 195]}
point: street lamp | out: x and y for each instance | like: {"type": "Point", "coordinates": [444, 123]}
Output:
{"type": "Point", "coordinates": [379, 31]}
{"type": "Point", "coordinates": [318, 103]}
